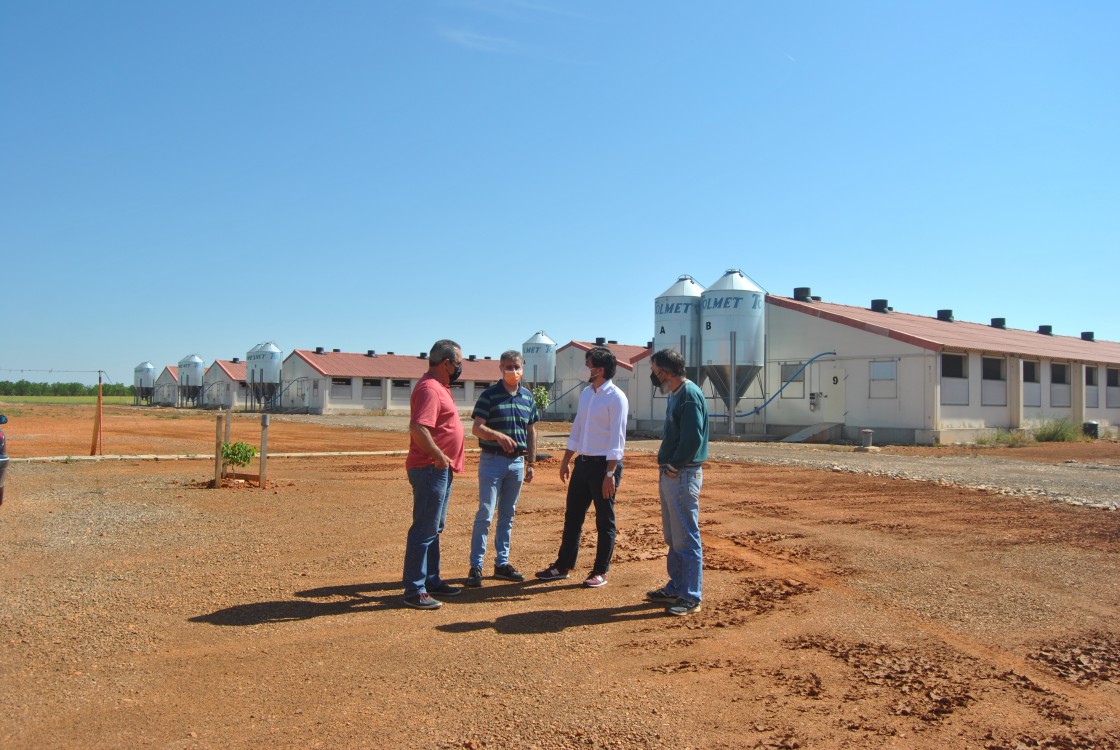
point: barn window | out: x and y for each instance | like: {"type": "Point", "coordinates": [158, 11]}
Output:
{"type": "Point", "coordinates": [1091, 376]}
{"type": "Point", "coordinates": [884, 379]}
{"type": "Point", "coordinates": [342, 388]}
{"type": "Point", "coordinates": [993, 368]}
{"type": "Point", "coordinates": [993, 381]}
{"type": "Point", "coordinates": [954, 379]}
{"type": "Point", "coordinates": [954, 366]}
{"type": "Point", "coordinates": [1112, 377]}
{"type": "Point", "coordinates": [1059, 373]}
{"type": "Point", "coordinates": [793, 377]}
{"type": "Point", "coordinates": [371, 388]}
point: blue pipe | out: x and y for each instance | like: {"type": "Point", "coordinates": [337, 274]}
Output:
{"type": "Point", "coordinates": [779, 391]}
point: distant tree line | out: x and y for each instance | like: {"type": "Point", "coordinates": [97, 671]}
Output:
{"type": "Point", "coordinates": [27, 388]}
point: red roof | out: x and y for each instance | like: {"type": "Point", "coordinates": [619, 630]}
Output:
{"type": "Point", "coordinates": [626, 354]}
{"type": "Point", "coordinates": [173, 370]}
{"type": "Point", "coordinates": [235, 371]}
{"type": "Point", "coordinates": [399, 366]}
{"type": "Point", "coordinates": [935, 335]}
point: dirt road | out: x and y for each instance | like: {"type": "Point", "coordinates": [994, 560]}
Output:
{"type": "Point", "coordinates": [842, 609]}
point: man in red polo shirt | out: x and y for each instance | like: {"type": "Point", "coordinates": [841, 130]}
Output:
{"type": "Point", "coordinates": [435, 455]}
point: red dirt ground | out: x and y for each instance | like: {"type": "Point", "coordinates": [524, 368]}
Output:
{"type": "Point", "coordinates": [140, 609]}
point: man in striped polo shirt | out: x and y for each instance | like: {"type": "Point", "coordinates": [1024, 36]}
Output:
{"type": "Point", "coordinates": [505, 418]}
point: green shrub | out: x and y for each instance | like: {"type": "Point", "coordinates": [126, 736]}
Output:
{"type": "Point", "coordinates": [540, 398]}
{"type": "Point", "coordinates": [1058, 431]}
{"type": "Point", "coordinates": [237, 454]}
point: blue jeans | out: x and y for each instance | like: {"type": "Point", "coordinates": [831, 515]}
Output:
{"type": "Point", "coordinates": [431, 490]}
{"type": "Point", "coordinates": [499, 483]}
{"type": "Point", "coordinates": [680, 517]}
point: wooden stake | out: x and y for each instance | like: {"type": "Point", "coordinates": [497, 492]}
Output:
{"type": "Point", "coordinates": [264, 449]}
{"type": "Point", "coordinates": [218, 452]}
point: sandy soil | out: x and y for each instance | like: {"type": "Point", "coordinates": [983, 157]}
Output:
{"type": "Point", "coordinates": [842, 610]}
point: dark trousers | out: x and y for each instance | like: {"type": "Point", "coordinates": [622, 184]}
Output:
{"type": "Point", "coordinates": [584, 488]}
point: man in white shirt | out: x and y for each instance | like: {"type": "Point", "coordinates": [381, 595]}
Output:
{"type": "Point", "coordinates": [597, 440]}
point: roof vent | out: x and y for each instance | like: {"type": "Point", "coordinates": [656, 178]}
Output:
{"type": "Point", "coordinates": [1088, 336]}
{"type": "Point", "coordinates": [1046, 330]}
{"type": "Point", "coordinates": [999, 322]}
{"type": "Point", "coordinates": [486, 358]}
{"type": "Point", "coordinates": [946, 315]}
{"type": "Point", "coordinates": [238, 359]}
{"type": "Point", "coordinates": [371, 353]}
{"type": "Point", "coordinates": [600, 341]}
{"type": "Point", "coordinates": [879, 305]}
{"type": "Point", "coordinates": [388, 353]}
{"type": "Point", "coordinates": [649, 345]}
{"type": "Point", "coordinates": [319, 350]}
{"type": "Point", "coordinates": [423, 355]}
{"type": "Point", "coordinates": [816, 298]}
{"type": "Point", "coordinates": [473, 357]}
{"type": "Point", "coordinates": [336, 351]}
{"type": "Point", "coordinates": [803, 294]}
{"type": "Point", "coordinates": [612, 341]}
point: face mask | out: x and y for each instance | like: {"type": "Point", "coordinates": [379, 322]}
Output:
{"type": "Point", "coordinates": [455, 375]}
{"type": "Point", "coordinates": [511, 378]}
{"type": "Point", "coordinates": [654, 379]}
{"type": "Point", "coordinates": [585, 374]}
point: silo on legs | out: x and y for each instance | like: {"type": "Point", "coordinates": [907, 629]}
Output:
{"type": "Point", "coordinates": [732, 336]}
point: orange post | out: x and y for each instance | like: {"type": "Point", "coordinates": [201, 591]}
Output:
{"type": "Point", "coordinates": [95, 449]}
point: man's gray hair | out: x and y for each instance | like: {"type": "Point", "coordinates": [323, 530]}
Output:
{"type": "Point", "coordinates": [442, 350]}
{"type": "Point", "coordinates": [512, 355]}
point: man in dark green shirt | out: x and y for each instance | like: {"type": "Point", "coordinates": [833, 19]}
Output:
{"type": "Point", "coordinates": [684, 448]}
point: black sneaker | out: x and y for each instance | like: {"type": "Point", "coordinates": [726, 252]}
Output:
{"type": "Point", "coordinates": [446, 589]}
{"type": "Point", "coordinates": [422, 601]}
{"type": "Point", "coordinates": [661, 595]}
{"type": "Point", "coordinates": [474, 578]}
{"type": "Point", "coordinates": [684, 607]}
{"type": "Point", "coordinates": [552, 573]}
{"type": "Point", "coordinates": [507, 573]}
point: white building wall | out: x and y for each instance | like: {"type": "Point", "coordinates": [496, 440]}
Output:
{"type": "Point", "coordinates": [304, 387]}
{"type": "Point", "coordinates": [166, 391]}
{"type": "Point", "coordinates": [842, 381]}
{"type": "Point", "coordinates": [221, 391]}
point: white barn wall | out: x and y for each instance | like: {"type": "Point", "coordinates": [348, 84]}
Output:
{"type": "Point", "coordinates": [221, 391]}
{"type": "Point", "coordinates": [166, 390]}
{"type": "Point", "coordinates": [794, 337]}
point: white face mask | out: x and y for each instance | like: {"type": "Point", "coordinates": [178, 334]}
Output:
{"type": "Point", "coordinates": [585, 374]}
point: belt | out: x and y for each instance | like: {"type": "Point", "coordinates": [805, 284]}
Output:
{"type": "Point", "coordinates": [599, 459]}
{"type": "Point", "coordinates": [500, 452]}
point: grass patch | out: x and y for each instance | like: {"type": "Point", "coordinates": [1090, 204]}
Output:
{"type": "Point", "coordinates": [1058, 431]}
{"type": "Point", "coordinates": [83, 400]}
{"type": "Point", "coordinates": [1007, 439]}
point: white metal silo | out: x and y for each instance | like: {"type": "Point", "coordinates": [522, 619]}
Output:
{"type": "Point", "coordinates": [143, 383]}
{"type": "Point", "coordinates": [262, 373]}
{"type": "Point", "coordinates": [676, 322]}
{"type": "Point", "coordinates": [539, 353]}
{"type": "Point", "coordinates": [732, 335]}
{"type": "Point", "coordinates": [144, 375]}
{"type": "Point", "coordinates": [263, 363]}
{"type": "Point", "coordinates": [191, 371]}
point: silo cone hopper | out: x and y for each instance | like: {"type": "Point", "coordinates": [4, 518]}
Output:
{"type": "Point", "coordinates": [732, 337]}
{"type": "Point", "coordinates": [721, 379]}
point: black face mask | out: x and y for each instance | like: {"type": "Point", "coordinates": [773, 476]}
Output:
{"type": "Point", "coordinates": [654, 379]}
{"type": "Point", "coordinates": [455, 375]}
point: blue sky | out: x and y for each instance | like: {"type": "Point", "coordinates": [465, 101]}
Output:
{"type": "Point", "coordinates": [181, 178]}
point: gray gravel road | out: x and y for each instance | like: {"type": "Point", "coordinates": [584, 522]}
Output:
{"type": "Point", "coordinates": [1092, 485]}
